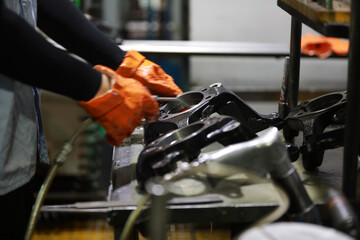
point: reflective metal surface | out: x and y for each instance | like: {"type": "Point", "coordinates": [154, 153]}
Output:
{"type": "Point", "coordinates": [207, 48]}
{"type": "Point", "coordinates": [265, 154]}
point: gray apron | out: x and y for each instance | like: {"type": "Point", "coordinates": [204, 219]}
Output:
{"type": "Point", "coordinates": [22, 141]}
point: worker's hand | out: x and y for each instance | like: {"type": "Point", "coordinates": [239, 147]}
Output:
{"type": "Point", "coordinates": [149, 74]}
{"type": "Point", "coordinates": [120, 109]}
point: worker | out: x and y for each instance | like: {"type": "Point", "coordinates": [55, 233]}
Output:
{"type": "Point", "coordinates": [116, 91]}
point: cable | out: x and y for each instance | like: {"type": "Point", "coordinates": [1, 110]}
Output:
{"type": "Point", "coordinates": [132, 218]}
{"type": "Point", "coordinates": [59, 160]}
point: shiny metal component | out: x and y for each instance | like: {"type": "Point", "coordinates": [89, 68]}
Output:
{"type": "Point", "coordinates": [171, 99]}
{"type": "Point", "coordinates": [283, 102]}
{"type": "Point", "coordinates": [206, 48]}
{"type": "Point", "coordinates": [312, 117]}
{"type": "Point", "coordinates": [265, 154]}
{"type": "Point", "coordinates": [104, 206]}
{"type": "Point", "coordinates": [343, 216]}
{"type": "Point", "coordinates": [268, 154]}
{"type": "Point", "coordinates": [160, 156]}
{"type": "Point", "coordinates": [213, 99]}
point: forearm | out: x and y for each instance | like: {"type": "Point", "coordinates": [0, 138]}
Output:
{"type": "Point", "coordinates": [66, 24]}
{"type": "Point", "coordinates": [27, 57]}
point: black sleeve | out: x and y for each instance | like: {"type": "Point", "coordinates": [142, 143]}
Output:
{"type": "Point", "coordinates": [66, 24]}
{"type": "Point", "coordinates": [27, 57]}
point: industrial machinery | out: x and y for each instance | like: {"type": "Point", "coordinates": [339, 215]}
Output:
{"type": "Point", "coordinates": [312, 118]}
{"type": "Point", "coordinates": [213, 99]}
{"type": "Point", "coordinates": [262, 155]}
{"type": "Point", "coordinates": [160, 156]}
{"type": "Point", "coordinates": [194, 106]}
{"type": "Point", "coordinates": [174, 146]}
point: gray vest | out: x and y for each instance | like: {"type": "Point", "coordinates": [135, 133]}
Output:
{"type": "Point", "coordinates": [22, 142]}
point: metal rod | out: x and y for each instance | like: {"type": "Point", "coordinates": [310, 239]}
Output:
{"type": "Point", "coordinates": [351, 139]}
{"type": "Point", "coordinates": [172, 99]}
{"type": "Point", "coordinates": [294, 71]}
{"type": "Point", "coordinates": [283, 107]}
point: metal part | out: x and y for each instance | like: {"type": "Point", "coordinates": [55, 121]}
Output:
{"type": "Point", "coordinates": [214, 99]}
{"type": "Point", "coordinates": [264, 154]}
{"type": "Point", "coordinates": [160, 156]}
{"type": "Point", "coordinates": [294, 71]}
{"type": "Point", "coordinates": [268, 153]}
{"type": "Point", "coordinates": [312, 117]}
{"type": "Point", "coordinates": [343, 216]}
{"type": "Point", "coordinates": [206, 48]}
{"type": "Point", "coordinates": [113, 204]}
{"type": "Point", "coordinates": [313, 149]}
{"type": "Point", "coordinates": [283, 102]}
{"type": "Point", "coordinates": [171, 99]}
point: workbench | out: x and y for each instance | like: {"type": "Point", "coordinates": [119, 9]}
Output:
{"type": "Point", "coordinates": [228, 202]}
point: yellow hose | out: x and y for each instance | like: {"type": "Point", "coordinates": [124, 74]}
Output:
{"type": "Point", "coordinates": [59, 160]}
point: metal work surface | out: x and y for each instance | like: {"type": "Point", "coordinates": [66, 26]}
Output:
{"type": "Point", "coordinates": [330, 20]}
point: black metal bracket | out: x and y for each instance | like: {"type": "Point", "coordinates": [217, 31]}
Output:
{"type": "Point", "coordinates": [160, 156]}
{"type": "Point", "coordinates": [203, 103]}
{"type": "Point", "coordinates": [312, 117]}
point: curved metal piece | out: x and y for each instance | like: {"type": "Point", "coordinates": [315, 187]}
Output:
{"type": "Point", "coordinates": [318, 106]}
{"type": "Point", "coordinates": [265, 154]}
{"type": "Point", "coordinates": [160, 156]}
{"type": "Point", "coordinates": [213, 99]}
{"type": "Point", "coordinates": [312, 117]}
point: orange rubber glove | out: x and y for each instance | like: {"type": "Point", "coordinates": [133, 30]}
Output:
{"type": "Point", "coordinates": [121, 108]}
{"type": "Point", "coordinates": [149, 74]}
{"type": "Point", "coordinates": [322, 46]}
{"type": "Point", "coordinates": [339, 46]}
{"type": "Point", "coordinates": [315, 45]}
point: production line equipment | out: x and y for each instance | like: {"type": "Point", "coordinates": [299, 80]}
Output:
{"type": "Point", "coordinates": [321, 120]}
{"type": "Point", "coordinates": [214, 133]}
{"type": "Point", "coordinates": [266, 154]}
{"type": "Point", "coordinates": [216, 99]}
{"type": "Point", "coordinates": [250, 141]}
